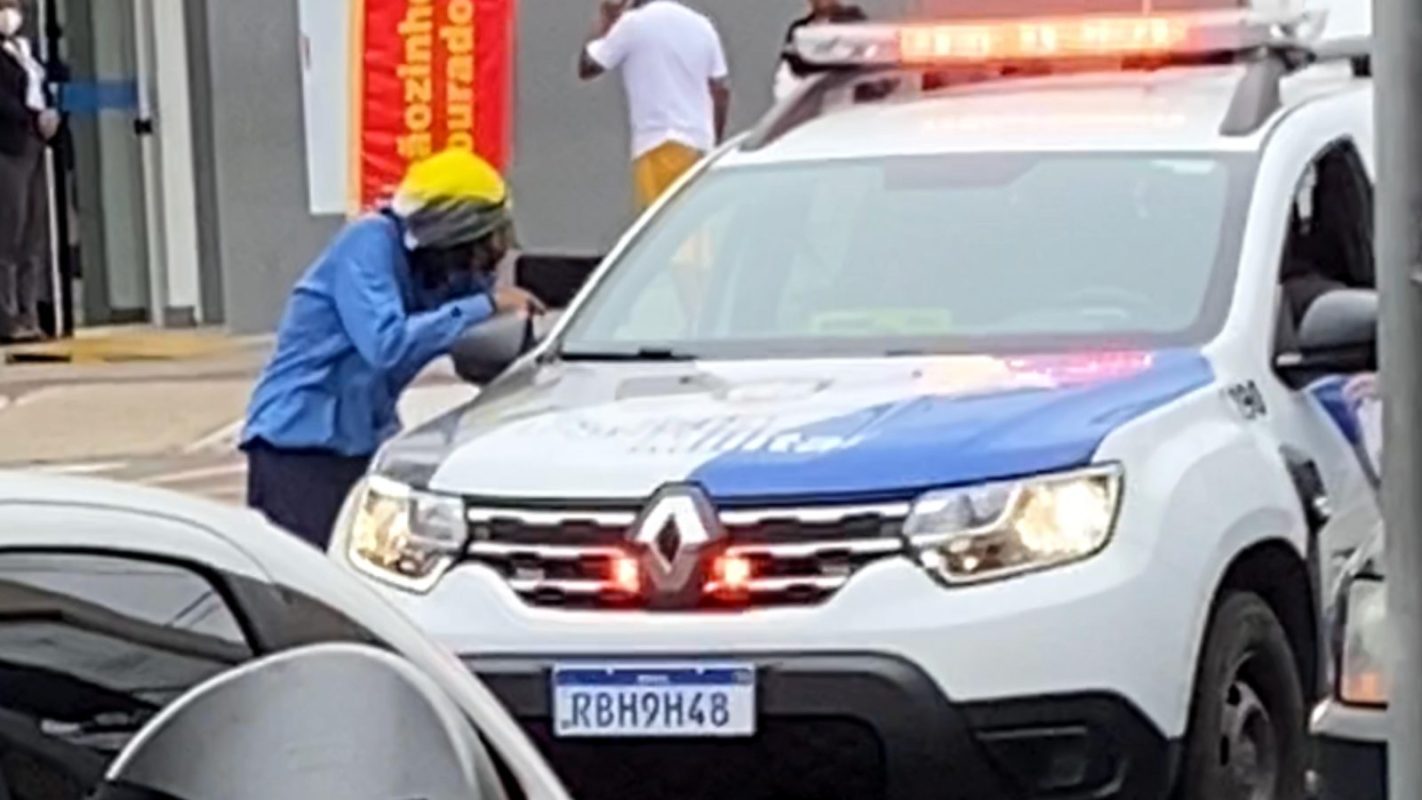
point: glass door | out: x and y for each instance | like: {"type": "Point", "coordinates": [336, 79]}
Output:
{"type": "Point", "coordinates": [100, 205]}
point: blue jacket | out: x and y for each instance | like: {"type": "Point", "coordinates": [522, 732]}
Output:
{"type": "Point", "coordinates": [355, 333]}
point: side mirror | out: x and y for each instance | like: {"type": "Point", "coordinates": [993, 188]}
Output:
{"type": "Point", "coordinates": [486, 350]}
{"type": "Point", "coordinates": [1338, 335]}
{"type": "Point", "coordinates": [288, 727]}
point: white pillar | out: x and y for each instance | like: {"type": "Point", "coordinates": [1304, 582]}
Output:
{"type": "Point", "coordinates": [172, 193]}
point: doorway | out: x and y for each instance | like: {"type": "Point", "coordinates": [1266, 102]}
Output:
{"type": "Point", "coordinates": [101, 209]}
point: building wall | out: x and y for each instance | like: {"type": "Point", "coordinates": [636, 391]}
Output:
{"type": "Point", "coordinates": [264, 234]}
{"type": "Point", "coordinates": [570, 171]}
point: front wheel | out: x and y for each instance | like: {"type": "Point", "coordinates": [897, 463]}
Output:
{"type": "Point", "coordinates": [1247, 738]}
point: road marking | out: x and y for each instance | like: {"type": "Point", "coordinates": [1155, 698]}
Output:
{"type": "Point", "coordinates": [80, 469]}
{"type": "Point", "coordinates": [236, 495]}
{"type": "Point", "coordinates": [30, 398]}
{"type": "Point", "coordinates": [226, 437]}
{"type": "Point", "coordinates": [190, 475]}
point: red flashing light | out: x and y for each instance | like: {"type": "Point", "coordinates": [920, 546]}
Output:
{"type": "Point", "coordinates": [627, 575]}
{"type": "Point", "coordinates": [732, 574]}
{"type": "Point", "coordinates": [1066, 38]}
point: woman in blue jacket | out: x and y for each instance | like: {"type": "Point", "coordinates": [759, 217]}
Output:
{"type": "Point", "coordinates": [392, 292]}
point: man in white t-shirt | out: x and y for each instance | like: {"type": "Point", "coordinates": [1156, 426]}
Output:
{"type": "Point", "coordinates": [674, 70]}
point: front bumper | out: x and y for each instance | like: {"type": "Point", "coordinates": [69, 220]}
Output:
{"type": "Point", "coordinates": [1101, 626]}
{"type": "Point", "coordinates": [1351, 757]}
{"type": "Point", "coordinates": [860, 726]}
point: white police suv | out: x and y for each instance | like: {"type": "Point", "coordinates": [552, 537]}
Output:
{"type": "Point", "coordinates": [981, 425]}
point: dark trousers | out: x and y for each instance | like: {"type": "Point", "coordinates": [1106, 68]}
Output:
{"type": "Point", "coordinates": [301, 490]}
{"type": "Point", "coordinates": [24, 225]}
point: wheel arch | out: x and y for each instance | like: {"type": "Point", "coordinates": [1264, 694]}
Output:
{"type": "Point", "coordinates": [1279, 575]}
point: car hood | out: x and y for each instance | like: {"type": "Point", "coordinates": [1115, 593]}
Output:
{"type": "Point", "coordinates": [781, 430]}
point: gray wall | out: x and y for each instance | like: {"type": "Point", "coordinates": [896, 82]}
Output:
{"type": "Point", "coordinates": [264, 232]}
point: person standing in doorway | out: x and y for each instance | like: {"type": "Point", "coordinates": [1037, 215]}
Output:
{"type": "Point", "coordinates": [677, 82]}
{"type": "Point", "coordinates": [822, 12]}
{"type": "Point", "coordinates": [27, 124]}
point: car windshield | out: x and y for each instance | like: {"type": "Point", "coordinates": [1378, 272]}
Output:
{"type": "Point", "coordinates": [958, 253]}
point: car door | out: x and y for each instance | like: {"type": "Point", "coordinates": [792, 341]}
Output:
{"type": "Point", "coordinates": [93, 645]}
{"type": "Point", "coordinates": [108, 616]}
{"type": "Point", "coordinates": [1326, 429]}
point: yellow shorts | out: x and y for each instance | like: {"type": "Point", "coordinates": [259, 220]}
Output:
{"type": "Point", "coordinates": [656, 170]}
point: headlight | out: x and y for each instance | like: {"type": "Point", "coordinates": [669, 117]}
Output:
{"type": "Point", "coordinates": [1366, 640]}
{"type": "Point", "coordinates": [404, 537]}
{"type": "Point", "coordinates": [994, 531]}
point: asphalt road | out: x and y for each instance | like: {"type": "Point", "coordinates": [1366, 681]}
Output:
{"type": "Point", "coordinates": [173, 426]}
{"type": "Point", "coordinates": [217, 473]}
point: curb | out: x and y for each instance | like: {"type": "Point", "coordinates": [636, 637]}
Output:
{"type": "Point", "coordinates": [127, 346]}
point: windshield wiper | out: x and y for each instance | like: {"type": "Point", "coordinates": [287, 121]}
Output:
{"type": "Point", "coordinates": [640, 354]}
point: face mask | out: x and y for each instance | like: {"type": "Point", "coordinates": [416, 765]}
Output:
{"type": "Point", "coordinates": [11, 20]}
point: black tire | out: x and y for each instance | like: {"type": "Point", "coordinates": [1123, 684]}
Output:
{"type": "Point", "coordinates": [1248, 736]}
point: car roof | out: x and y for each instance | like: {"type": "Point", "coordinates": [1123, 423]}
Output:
{"type": "Point", "coordinates": [1177, 109]}
{"type": "Point", "coordinates": [35, 487]}
{"type": "Point", "coordinates": [278, 556]}
{"type": "Point", "coordinates": [281, 556]}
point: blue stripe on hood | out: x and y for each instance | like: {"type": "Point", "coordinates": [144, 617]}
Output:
{"type": "Point", "coordinates": [926, 441]}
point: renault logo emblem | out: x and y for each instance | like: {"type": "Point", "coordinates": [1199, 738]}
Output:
{"type": "Point", "coordinates": [672, 535]}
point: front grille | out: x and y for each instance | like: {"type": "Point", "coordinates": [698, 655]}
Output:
{"type": "Point", "coordinates": [797, 556]}
{"type": "Point", "coordinates": [811, 758]}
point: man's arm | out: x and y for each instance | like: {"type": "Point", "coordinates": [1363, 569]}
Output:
{"type": "Point", "coordinates": [720, 74]}
{"type": "Point", "coordinates": [587, 68]}
{"type": "Point", "coordinates": [601, 51]}
{"type": "Point", "coordinates": [721, 102]}
{"type": "Point", "coordinates": [372, 311]}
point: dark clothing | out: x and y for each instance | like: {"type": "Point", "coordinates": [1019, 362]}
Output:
{"type": "Point", "coordinates": [301, 490]}
{"type": "Point", "coordinates": [24, 206]}
{"type": "Point", "coordinates": [841, 14]}
{"type": "Point", "coordinates": [24, 226]}
{"type": "Point", "coordinates": [17, 122]}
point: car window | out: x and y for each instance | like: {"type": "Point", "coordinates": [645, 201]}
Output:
{"type": "Point", "coordinates": [91, 648]}
{"type": "Point", "coordinates": [306, 620]}
{"type": "Point", "coordinates": [1328, 242]}
{"type": "Point", "coordinates": [978, 253]}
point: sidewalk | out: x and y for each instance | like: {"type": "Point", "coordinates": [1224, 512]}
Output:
{"type": "Point", "coordinates": [122, 344]}
{"type": "Point", "coordinates": [165, 419]}
{"type": "Point", "coordinates": [179, 389]}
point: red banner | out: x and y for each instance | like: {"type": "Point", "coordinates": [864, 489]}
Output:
{"type": "Point", "coordinates": [428, 75]}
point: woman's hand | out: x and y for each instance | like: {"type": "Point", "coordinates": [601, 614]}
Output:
{"type": "Point", "coordinates": [512, 300]}
{"type": "Point", "coordinates": [48, 122]}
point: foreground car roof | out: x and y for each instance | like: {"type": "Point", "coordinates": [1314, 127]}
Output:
{"type": "Point", "coordinates": [40, 487]}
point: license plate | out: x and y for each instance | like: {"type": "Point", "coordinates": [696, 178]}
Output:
{"type": "Point", "coordinates": [681, 700]}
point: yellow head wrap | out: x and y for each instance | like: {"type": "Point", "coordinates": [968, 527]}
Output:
{"type": "Point", "coordinates": [449, 199]}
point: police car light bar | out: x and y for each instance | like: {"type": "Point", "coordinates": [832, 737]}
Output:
{"type": "Point", "coordinates": [1167, 35]}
